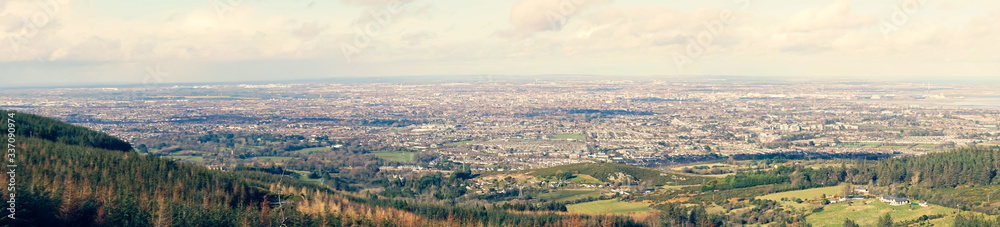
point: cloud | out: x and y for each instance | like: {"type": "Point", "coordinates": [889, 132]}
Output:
{"type": "Point", "coordinates": [528, 17]}
{"type": "Point", "coordinates": [308, 30]}
{"type": "Point", "coordinates": [838, 15]}
{"type": "Point", "coordinates": [834, 27]}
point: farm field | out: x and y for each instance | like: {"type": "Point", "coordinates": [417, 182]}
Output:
{"type": "Point", "coordinates": [184, 158]}
{"type": "Point", "coordinates": [567, 136]}
{"type": "Point", "coordinates": [585, 179]}
{"type": "Point", "coordinates": [273, 158]}
{"type": "Point", "coordinates": [304, 176]}
{"type": "Point", "coordinates": [312, 149]}
{"type": "Point", "coordinates": [807, 194]}
{"type": "Point", "coordinates": [394, 156]}
{"type": "Point", "coordinates": [458, 143]}
{"type": "Point", "coordinates": [611, 206]}
{"type": "Point", "coordinates": [867, 215]}
{"type": "Point", "coordinates": [825, 165]}
{"type": "Point", "coordinates": [569, 194]}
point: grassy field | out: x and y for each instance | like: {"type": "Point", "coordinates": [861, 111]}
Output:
{"type": "Point", "coordinates": [569, 194]}
{"type": "Point", "coordinates": [458, 143]}
{"type": "Point", "coordinates": [676, 187]}
{"type": "Point", "coordinates": [313, 149]}
{"type": "Point", "coordinates": [568, 136]}
{"type": "Point", "coordinates": [825, 165]}
{"type": "Point", "coordinates": [867, 215]}
{"type": "Point", "coordinates": [273, 158]}
{"type": "Point", "coordinates": [394, 156]}
{"type": "Point", "coordinates": [611, 206]}
{"type": "Point", "coordinates": [585, 179]}
{"type": "Point", "coordinates": [304, 176]}
{"type": "Point", "coordinates": [807, 194]}
{"type": "Point", "coordinates": [811, 193]}
{"type": "Point", "coordinates": [184, 158]}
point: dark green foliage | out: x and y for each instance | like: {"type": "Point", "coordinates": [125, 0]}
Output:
{"type": "Point", "coordinates": [884, 221]}
{"type": "Point", "coordinates": [849, 223]}
{"type": "Point", "coordinates": [30, 125]}
{"type": "Point", "coordinates": [975, 221]}
{"type": "Point", "coordinates": [606, 171]}
{"type": "Point", "coordinates": [743, 181]}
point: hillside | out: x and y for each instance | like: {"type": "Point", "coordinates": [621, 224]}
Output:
{"type": "Point", "coordinates": [71, 176]}
{"type": "Point", "coordinates": [608, 172]}
{"type": "Point", "coordinates": [30, 125]}
{"type": "Point", "coordinates": [76, 177]}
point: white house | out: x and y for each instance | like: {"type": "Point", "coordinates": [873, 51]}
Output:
{"type": "Point", "coordinates": [894, 200]}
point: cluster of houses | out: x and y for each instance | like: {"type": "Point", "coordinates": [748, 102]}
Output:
{"type": "Point", "coordinates": [888, 199]}
{"type": "Point", "coordinates": [891, 199]}
{"type": "Point", "coordinates": [897, 201]}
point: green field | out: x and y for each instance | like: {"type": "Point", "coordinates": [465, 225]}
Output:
{"type": "Point", "coordinates": [585, 179]}
{"type": "Point", "coordinates": [273, 158]}
{"type": "Point", "coordinates": [458, 143]}
{"type": "Point", "coordinates": [567, 136]}
{"type": "Point", "coordinates": [677, 187]}
{"type": "Point", "coordinates": [184, 158]}
{"type": "Point", "coordinates": [394, 156]}
{"type": "Point", "coordinates": [825, 165]}
{"type": "Point", "coordinates": [304, 176]}
{"type": "Point", "coordinates": [896, 147]}
{"type": "Point", "coordinates": [313, 149]}
{"type": "Point", "coordinates": [569, 195]}
{"type": "Point", "coordinates": [867, 215]}
{"type": "Point", "coordinates": [811, 193]}
{"type": "Point", "coordinates": [807, 194]}
{"type": "Point", "coordinates": [611, 206]}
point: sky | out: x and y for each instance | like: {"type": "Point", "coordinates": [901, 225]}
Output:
{"type": "Point", "coordinates": [98, 42]}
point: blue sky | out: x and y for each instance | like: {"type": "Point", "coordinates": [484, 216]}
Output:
{"type": "Point", "coordinates": [87, 42]}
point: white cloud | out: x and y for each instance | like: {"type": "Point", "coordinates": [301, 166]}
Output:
{"type": "Point", "coordinates": [598, 33]}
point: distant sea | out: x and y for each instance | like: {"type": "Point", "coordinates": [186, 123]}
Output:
{"type": "Point", "coordinates": [991, 102]}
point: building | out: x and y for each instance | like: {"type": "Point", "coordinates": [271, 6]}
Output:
{"type": "Point", "coordinates": [861, 190]}
{"type": "Point", "coordinates": [894, 200]}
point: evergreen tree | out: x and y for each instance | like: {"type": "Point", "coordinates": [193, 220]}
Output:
{"type": "Point", "coordinates": [849, 223]}
{"type": "Point", "coordinates": [884, 221]}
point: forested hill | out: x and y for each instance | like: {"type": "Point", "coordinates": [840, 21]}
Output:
{"type": "Point", "coordinates": [30, 125]}
{"type": "Point", "coordinates": [608, 172]}
{"type": "Point", "coordinates": [71, 176]}
{"type": "Point", "coordinates": [65, 177]}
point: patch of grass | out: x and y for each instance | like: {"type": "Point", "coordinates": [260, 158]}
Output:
{"type": "Point", "coordinates": [304, 176]}
{"type": "Point", "coordinates": [677, 187]}
{"type": "Point", "coordinates": [458, 143]}
{"type": "Point", "coordinates": [867, 215]}
{"type": "Point", "coordinates": [807, 194]}
{"type": "Point", "coordinates": [871, 145]}
{"type": "Point", "coordinates": [585, 179]}
{"type": "Point", "coordinates": [184, 158]}
{"type": "Point", "coordinates": [569, 195]}
{"type": "Point", "coordinates": [567, 136]}
{"type": "Point", "coordinates": [896, 147]}
{"type": "Point", "coordinates": [274, 158]}
{"type": "Point", "coordinates": [313, 149]}
{"type": "Point", "coordinates": [611, 206]}
{"type": "Point", "coordinates": [394, 156]}
{"type": "Point", "coordinates": [825, 165]}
